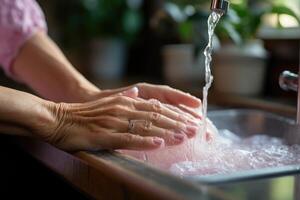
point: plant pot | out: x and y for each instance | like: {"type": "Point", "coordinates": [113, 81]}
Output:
{"type": "Point", "coordinates": [180, 67]}
{"type": "Point", "coordinates": [107, 59]}
{"type": "Point", "coordinates": [240, 70]}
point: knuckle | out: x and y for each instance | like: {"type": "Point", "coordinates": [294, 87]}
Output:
{"type": "Point", "coordinates": [142, 84]}
{"type": "Point", "coordinates": [156, 105]}
{"type": "Point", "coordinates": [124, 100]}
{"type": "Point", "coordinates": [166, 133]}
{"type": "Point", "coordinates": [119, 99]}
{"type": "Point", "coordinates": [179, 125]}
{"type": "Point", "coordinates": [129, 138]}
{"type": "Point", "coordinates": [146, 126]}
{"type": "Point", "coordinates": [155, 117]}
{"type": "Point", "coordinates": [180, 117]}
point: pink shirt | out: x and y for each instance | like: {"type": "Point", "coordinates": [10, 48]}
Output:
{"type": "Point", "coordinates": [19, 20]}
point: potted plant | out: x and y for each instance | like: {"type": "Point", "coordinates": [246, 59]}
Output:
{"type": "Point", "coordinates": [105, 28]}
{"type": "Point", "coordinates": [175, 24]}
{"type": "Point", "coordinates": [241, 58]}
{"type": "Point", "coordinates": [240, 66]}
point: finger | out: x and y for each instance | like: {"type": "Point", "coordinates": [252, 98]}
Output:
{"type": "Point", "coordinates": [132, 92]}
{"type": "Point", "coordinates": [191, 111]}
{"type": "Point", "coordinates": [208, 137]}
{"type": "Point", "coordinates": [113, 100]}
{"type": "Point", "coordinates": [146, 128]}
{"type": "Point", "coordinates": [154, 105]}
{"type": "Point", "coordinates": [173, 96]}
{"type": "Point", "coordinates": [114, 124]}
{"type": "Point", "coordinates": [164, 122]}
{"type": "Point", "coordinates": [191, 117]}
{"type": "Point", "coordinates": [106, 93]}
{"type": "Point", "coordinates": [134, 142]}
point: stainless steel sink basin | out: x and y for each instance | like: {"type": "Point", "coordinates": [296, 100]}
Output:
{"type": "Point", "coordinates": [246, 123]}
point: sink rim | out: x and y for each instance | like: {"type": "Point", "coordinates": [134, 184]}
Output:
{"type": "Point", "coordinates": [236, 111]}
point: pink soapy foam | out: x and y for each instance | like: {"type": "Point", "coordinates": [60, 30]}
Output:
{"type": "Point", "coordinates": [166, 156]}
{"type": "Point", "coordinates": [227, 153]}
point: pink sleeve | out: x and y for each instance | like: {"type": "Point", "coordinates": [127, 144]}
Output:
{"type": "Point", "coordinates": [19, 20]}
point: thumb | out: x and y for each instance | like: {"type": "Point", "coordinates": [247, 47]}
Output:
{"type": "Point", "coordinates": [132, 92]}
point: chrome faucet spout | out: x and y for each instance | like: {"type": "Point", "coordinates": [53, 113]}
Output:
{"type": "Point", "coordinates": [288, 81]}
{"type": "Point", "coordinates": [220, 6]}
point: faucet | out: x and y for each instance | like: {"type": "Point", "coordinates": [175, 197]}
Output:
{"type": "Point", "coordinates": [290, 81]}
{"type": "Point", "coordinates": [220, 6]}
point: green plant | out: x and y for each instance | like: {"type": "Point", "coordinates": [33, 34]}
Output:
{"type": "Point", "coordinates": [240, 24]}
{"type": "Point", "coordinates": [242, 21]}
{"type": "Point", "coordinates": [83, 20]}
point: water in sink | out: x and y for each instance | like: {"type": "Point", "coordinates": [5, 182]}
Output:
{"type": "Point", "coordinates": [230, 153]}
{"type": "Point", "coordinates": [227, 153]}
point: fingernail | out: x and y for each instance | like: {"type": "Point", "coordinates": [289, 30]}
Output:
{"type": "Point", "coordinates": [192, 122]}
{"type": "Point", "coordinates": [208, 137]}
{"type": "Point", "coordinates": [191, 130]}
{"type": "Point", "coordinates": [135, 89]}
{"type": "Point", "coordinates": [131, 91]}
{"type": "Point", "coordinates": [158, 141]}
{"type": "Point", "coordinates": [178, 136]}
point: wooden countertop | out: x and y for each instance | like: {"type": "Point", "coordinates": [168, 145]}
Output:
{"type": "Point", "coordinates": [109, 175]}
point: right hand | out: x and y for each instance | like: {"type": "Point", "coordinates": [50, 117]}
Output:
{"type": "Point", "coordinates": [104, 124]}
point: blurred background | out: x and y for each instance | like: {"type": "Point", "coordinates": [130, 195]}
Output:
{"type": "Point", "coordinates": [120, 42]}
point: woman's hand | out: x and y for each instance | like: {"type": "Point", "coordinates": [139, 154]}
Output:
{"type": "Point", "coordinates": [117, 122]}
{"type": "Point", "coordinates": [163, 93]}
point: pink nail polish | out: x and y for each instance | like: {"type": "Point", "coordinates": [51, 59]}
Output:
{"type": "Point", "coordinates": [208, 137]}
{"type": "Point", "coordinates": [191, 130]}
{"type": "Point", "coordinates": [179, 136]}
{"type": "Point", "coordinates": [158, 141]}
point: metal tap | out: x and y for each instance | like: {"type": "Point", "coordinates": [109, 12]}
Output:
{"type": "Point", "coordinates": [220, 6]}
{"type": "Point", "coordinates": [290, 81]}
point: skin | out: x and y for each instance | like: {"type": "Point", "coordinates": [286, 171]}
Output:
{"type": "Point", "coordinates": [73, 114]}
{"type": "Point", "coordinates": [94, 125]}
{"type": "Point", "coordinates": [52, 76]}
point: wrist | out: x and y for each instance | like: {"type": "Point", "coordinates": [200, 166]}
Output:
{"type": "Point", "coordinates": [42, 117]}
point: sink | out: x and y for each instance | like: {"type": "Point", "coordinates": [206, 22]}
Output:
{"type": "Point", "coordinates": [245, 123]}
{"type": "Point", "coordinates": [146, 179]}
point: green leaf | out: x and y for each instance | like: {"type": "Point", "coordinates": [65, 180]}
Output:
{"type": "Point", "coordinates": [232, 33]}
{"type": "Point", "coordinates": [186, 30]}
{"type": "Point", "coordinates": [132, 21]}
{"type": "Point", "coordinates": [277, 9]}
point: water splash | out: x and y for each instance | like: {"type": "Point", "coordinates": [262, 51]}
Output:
{"type": "Point", "coordinates": [212, 22]}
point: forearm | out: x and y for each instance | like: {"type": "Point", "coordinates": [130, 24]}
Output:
{"type": "Point", "coordinates": [43, 67]}
{"type": "Point", "coordinates": [21, 113]}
